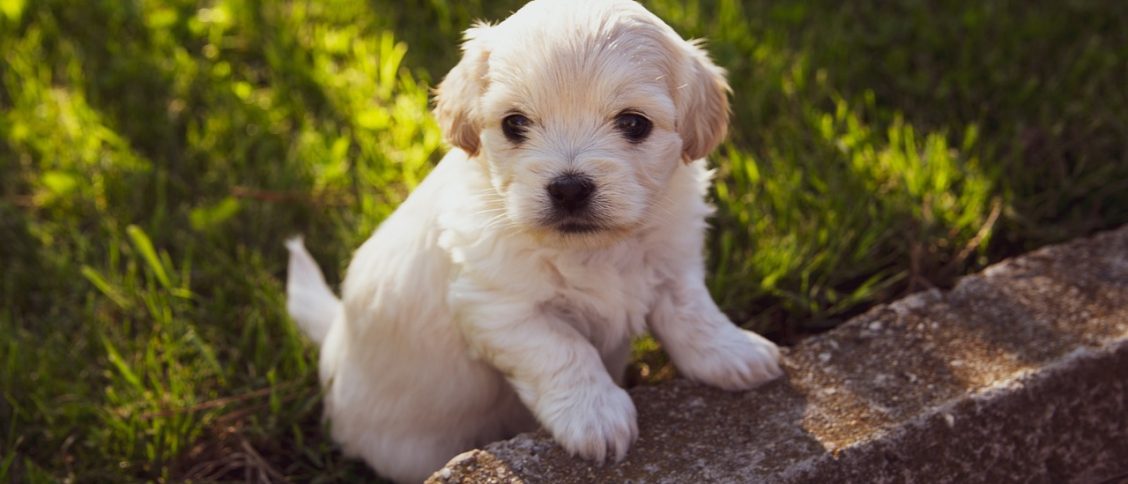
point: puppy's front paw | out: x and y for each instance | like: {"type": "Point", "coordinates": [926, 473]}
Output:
{"type": "Point", "coordinates": [740, 361]}
{"type": "Point", "coordinates": [595, 422]}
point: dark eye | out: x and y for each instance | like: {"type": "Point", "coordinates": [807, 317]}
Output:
{"type": "Point", "coordinates": [634, 126]}
{"type": "Point", "coordinates": [514, 126]}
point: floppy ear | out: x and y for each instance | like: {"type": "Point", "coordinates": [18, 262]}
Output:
{"type": "Point", "coordinates": [456, 98]}
{"type": "Point", "coordinates": [702, 103]}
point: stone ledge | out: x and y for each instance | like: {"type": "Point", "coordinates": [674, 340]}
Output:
{"type": "Point", "coordinates": [1018, 373]}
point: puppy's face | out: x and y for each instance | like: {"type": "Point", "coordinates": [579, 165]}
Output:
{"type": "Point", "coordinates": [580, 112]}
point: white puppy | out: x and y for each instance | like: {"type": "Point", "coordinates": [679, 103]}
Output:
{"type": "Point", "coordinates": [570, 217]}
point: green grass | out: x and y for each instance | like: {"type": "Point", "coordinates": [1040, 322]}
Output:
{"type": "Point", "coordinates": [154, 154]}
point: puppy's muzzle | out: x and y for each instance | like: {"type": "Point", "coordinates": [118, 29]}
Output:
{"type": "Point", "coordinates": [571, 196]}
{"type": "Point", "coordinates": [570, 193]}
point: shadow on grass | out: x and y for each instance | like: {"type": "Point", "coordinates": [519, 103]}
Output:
{"type": "Point", "coordinates": [111, 127]}
{"type": "Point", "coordinates": [1026, 95]}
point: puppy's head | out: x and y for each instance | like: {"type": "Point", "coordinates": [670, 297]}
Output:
{"type": "Point", "coordinates": [580, 112]}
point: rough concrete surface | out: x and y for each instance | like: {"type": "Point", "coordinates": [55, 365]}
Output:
{"type": "Point", "coordinates": [1019, 373]}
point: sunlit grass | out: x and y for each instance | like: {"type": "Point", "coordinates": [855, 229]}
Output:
{"type": "Point", "coordinates": [154, 154]}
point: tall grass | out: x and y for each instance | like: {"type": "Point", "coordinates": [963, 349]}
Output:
{"type": "Point", "coordinates": [154, 154]}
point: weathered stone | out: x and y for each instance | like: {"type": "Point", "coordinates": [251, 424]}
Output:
{"type": "Point", "coordinates": [475, 466]}
{"type": "Point", "coordinates": [1019, 373]}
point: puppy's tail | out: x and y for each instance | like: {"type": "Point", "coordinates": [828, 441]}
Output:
{"type": "Point", "coordinates": [308, 298]}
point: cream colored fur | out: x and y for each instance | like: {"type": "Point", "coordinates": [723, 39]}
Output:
{"type": "Point", "coordinates": [466, 318]}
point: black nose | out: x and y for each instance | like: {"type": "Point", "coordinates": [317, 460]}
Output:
{"type": "Point", "coordinates": [570, 192]}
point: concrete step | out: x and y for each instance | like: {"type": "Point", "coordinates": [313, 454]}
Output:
{"type": "Point", "coordinates": [1019, 373]}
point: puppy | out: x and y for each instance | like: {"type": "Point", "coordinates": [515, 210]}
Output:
{"type": "Point", "coordinates": [570, 216]}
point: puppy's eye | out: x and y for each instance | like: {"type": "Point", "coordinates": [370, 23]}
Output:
{"type": "Point", "coordinates": [634, 126]}
{"type": "Point", "coordinates": [514, 126]}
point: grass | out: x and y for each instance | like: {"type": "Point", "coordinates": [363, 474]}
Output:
{"type": "Point", "coordinates": [154, 154]}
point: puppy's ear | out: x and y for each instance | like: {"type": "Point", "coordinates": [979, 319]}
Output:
{"type": "Point", "coordinates": [702, 103]}
{"type": "Point", "coordinates": [456, 98]}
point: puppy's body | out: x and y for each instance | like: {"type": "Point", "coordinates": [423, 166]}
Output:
{"type": "Point", "coordinates": [491, 300]}
{"type": "Point", "coordinates": [402, 391]}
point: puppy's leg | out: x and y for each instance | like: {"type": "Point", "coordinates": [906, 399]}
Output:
{"type": "Point", "coordinates": [704, 345]}
{"type": "Point", "coordinates": [616, 362]}
{"type": "Point", "coordinates": [557, 374]}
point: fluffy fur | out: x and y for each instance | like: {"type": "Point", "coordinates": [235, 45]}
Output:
{"type": "Point", "coordinates": [471, 314]}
